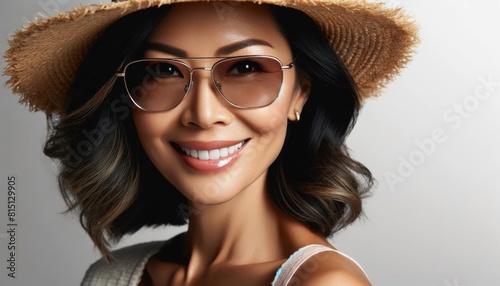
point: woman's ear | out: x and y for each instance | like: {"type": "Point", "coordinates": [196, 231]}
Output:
{"type": "Point", "coordinates": [300, 97]}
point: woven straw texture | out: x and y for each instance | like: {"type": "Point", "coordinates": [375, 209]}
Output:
{"type": "Point", "coordinates": [373, 42]}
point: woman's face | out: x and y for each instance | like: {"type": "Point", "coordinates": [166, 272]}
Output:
{"type": "Point", "coordinates": [204, 122]}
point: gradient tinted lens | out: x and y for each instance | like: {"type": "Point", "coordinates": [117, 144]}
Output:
{"type": "Point", "coordinates": [157, 85]}
{"type": "Point", "coordinates": [247, 82]}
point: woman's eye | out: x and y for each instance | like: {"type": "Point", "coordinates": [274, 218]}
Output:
{"type": "Point", "coordinates": [165, 70]}
{"type": "Point", "coordinates": [244, 67]}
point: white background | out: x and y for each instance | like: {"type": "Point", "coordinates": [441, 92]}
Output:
{"type": "Point", "coordinates": [433, 218]}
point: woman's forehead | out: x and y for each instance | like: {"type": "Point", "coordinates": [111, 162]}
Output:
{"type": "Point", "coordinates": [201, 29]}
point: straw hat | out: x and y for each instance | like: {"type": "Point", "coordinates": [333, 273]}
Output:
{"type": "Point", "coordinates": [374, 43]}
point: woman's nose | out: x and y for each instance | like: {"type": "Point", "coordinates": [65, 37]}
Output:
{"type": "Point", "coordinates": [204, 107]}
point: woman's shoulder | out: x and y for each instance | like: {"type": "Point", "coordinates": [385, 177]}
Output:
{"type": "Point", "coordinates": [127, 267]}
{"type": "Point", "coordinates": [317, 264]}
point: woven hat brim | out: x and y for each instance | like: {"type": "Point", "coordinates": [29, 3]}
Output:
{"type": "Point", "coordinates": [373, 42]}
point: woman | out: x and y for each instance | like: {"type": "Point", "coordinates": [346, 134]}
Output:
{"type": "Point", "coordinates": [228, 116]}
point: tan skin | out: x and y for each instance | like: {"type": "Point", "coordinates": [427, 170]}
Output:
{"type": "Point", "coordinates": [236, 236]}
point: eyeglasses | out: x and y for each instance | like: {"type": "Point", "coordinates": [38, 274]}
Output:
{"type": "Point", "coordinates": [244, 81]}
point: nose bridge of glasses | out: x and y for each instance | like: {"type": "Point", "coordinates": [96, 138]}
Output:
{"type": "Point", "coordinates": [200, 68]}
{"type": "Point", "coordinates": [192, 70]}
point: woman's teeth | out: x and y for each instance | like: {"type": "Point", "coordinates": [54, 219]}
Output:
{"type": "Point", "coordinates": [214, 154]}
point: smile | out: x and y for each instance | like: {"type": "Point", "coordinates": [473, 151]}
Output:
{"type": "Point", "coordinates": [213, 154]}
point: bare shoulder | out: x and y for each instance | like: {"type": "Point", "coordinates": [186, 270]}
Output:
{"type": "Point", "coordinates": [330, 268]}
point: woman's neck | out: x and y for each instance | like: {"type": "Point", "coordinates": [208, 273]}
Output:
{"type": "Point", "coordinates": [222, 232]}
{"type": "Point", "coordinates": [248, 229]}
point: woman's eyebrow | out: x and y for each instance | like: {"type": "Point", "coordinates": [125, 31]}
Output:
{"type": "Point", "coordinates": [222, 51]}
{"type": "Point", "coordinates": [166, 49]}
{"type": "Point", "coordinates": [231, 48]}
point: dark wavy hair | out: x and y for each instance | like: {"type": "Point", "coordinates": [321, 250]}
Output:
{"type": "Point", "coordinates": [105, 175]}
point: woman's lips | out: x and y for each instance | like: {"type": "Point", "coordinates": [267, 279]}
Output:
{"type": "Point", "coordinates": [210, 156]}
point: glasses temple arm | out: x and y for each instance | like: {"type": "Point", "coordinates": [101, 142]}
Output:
{"type": "Point", "coordinates": [289, 66]}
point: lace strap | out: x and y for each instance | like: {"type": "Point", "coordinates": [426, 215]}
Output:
{"type": "Point", "coordinates": [288, 269]}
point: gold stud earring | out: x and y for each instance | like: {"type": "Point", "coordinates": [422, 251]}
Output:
{"type": "Point", "coordinates": [297, 114]}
